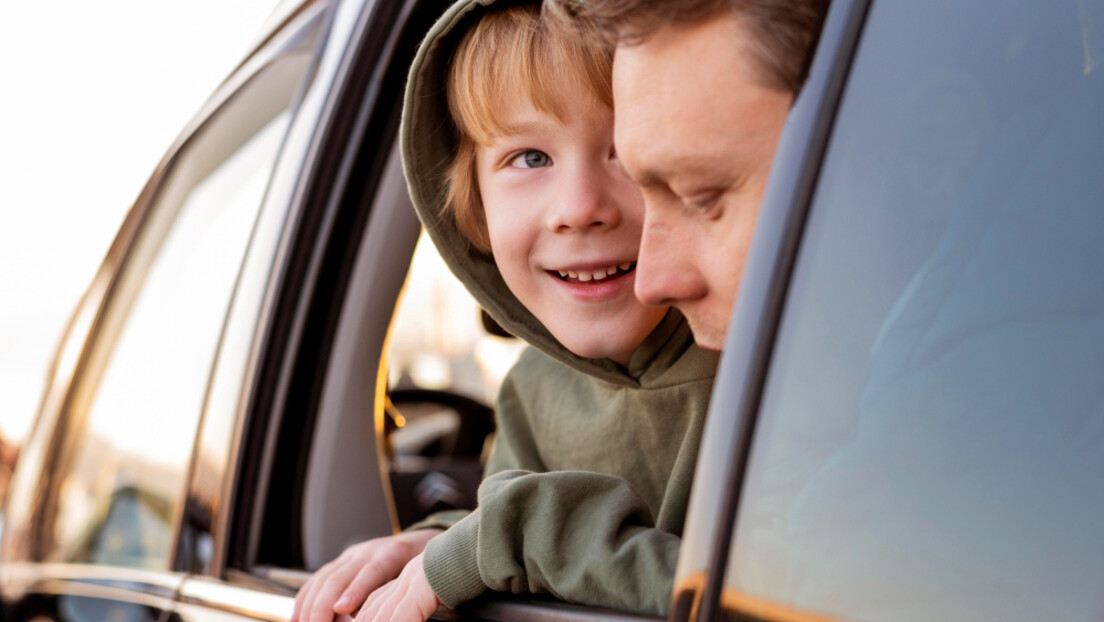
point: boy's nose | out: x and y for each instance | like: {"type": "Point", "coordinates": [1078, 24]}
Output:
{"type": "Point", "coordinates": [586, 202]}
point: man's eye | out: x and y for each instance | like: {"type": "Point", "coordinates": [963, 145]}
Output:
{"type": "Point", "coordinates": [702, 203]}
{"type": "Point", "coordinates": [531, 159]}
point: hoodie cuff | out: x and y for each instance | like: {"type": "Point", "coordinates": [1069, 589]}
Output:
{"type": "Point", "coordinates": [451, 563]}
{"type": "Point", "coordinates": [440, 520]}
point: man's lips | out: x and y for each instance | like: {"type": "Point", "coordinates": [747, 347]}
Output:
{"type": "Point", "coordinates": [596, 275]}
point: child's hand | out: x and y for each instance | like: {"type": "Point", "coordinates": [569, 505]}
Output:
{"type": "Point", "coordinates": [406, 599]}
{"type": "Point", "coordinates": [341, 586]}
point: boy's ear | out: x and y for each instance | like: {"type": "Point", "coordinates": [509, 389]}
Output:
{"type": "Point", "coordinates": [491, 326]}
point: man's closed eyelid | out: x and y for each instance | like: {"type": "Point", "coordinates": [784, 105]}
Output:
{"type": "Point", "coordinates": [703, 202]}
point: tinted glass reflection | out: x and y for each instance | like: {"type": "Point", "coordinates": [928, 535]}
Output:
{"type": "Point", "coordinates": [124, 473]}
{"type": "Point", "coordinates": [87, 609]}
{"type": "Point", "coordinates": [931, 442]}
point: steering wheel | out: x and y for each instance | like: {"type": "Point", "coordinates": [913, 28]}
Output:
{"type": "Point", "coordinates": [476, 418]}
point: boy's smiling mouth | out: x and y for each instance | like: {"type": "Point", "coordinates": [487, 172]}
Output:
{"type": "Point", "coordinates": [594, 276]}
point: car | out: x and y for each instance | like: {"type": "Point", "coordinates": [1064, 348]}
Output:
{"type": "Point", "coordinates": [907, 423]}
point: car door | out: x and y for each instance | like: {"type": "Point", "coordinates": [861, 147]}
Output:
{"type": "Point", "coordinates": [908, 424]}
{"type": "Point", "coordinates": [96, 511]}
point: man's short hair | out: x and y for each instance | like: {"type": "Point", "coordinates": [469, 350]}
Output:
{"type": "Point", "coordinates": [509, 55]}
{"type": "Point", "coordinates": [782, 31]}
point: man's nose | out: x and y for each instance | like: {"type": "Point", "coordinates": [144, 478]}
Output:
{"type": "Point", "coordinates": [666, 268]}
{"type": "Point", "coordinates": [586, 202]}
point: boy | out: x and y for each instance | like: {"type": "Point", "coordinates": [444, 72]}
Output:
{"type": "Point", "coordinates": [508, 145]}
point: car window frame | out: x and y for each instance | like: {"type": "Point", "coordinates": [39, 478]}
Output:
{"type": "Point", "coordinates": [304, 33]}
{"type": "Point", "coordinates": [730, 424]}
{"type": "Point", "coordinates": [281, 356]}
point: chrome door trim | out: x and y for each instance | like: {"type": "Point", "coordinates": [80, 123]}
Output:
{"type": "Point", "coordinates": [143, 587]}
{"type": "Point", "coordinates": [246, 601]}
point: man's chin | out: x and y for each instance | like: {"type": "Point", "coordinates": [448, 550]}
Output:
{"type": "Point", "coordinates": [708, 345]}
{"type": "Point", "coordinates": [707, 336]}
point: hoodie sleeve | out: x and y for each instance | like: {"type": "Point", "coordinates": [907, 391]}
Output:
{"type": "Point", "coordinates": [582, 537]}
{"type": "Point", "coordinates": [439, 520]}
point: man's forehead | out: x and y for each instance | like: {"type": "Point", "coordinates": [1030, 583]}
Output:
{"type": "Point", "coordinates": [665, 136]}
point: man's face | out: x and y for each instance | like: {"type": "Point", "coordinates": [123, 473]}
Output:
{"type": "Point", "coordinates": [696, 129]}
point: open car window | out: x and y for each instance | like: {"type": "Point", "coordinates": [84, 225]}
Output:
{"type": "Point", "coordinates": [443, 373]}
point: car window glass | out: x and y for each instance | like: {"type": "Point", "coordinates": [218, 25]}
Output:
{"type": "Point", "coordinates": [930, 443]}
{"type": "Point", "coordinates": [132, 424]}
{"type": "Point", "coordinates": [79, 608]}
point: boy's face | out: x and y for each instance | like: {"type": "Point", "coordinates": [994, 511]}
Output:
{"type": "Point", "coordinates": [564, 223]}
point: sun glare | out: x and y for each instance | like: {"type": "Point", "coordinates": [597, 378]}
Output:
{"type": "Point", "coordinates": [94, 95]}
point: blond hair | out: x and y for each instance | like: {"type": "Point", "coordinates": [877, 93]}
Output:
{"type": "Point", "coordinates": [510, 53]}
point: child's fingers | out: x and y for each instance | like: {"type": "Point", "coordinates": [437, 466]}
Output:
{"type": "Point", "coordinates": [408, 609]}
{"type": "Point", "coordinates": [305, 596]}
{"type": "Point", "coordinates": [369, 578]}
{"type": "Point", "coordinates": [392, 608]}
{"type": "Point", "coordinates": [373, 606]}
{"type": "Point", "coordinates": [413, 599]}
{"type": "Point", "coordinates": [329, 583]}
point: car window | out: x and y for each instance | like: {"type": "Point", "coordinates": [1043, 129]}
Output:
{"type": "Point", "coordinates": [444, 372]}
{"type": "Point", "coordinates": [130, 428]}
{"type": "Point", "coordinates": [930, 443]}
{"type": "Point", "coordinates": [438, 341]}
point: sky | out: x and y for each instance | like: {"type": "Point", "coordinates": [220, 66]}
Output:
{"type": "Point", "coordinates": [93, 95]}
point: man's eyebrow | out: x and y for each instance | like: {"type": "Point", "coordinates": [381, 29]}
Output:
{"type": "Point", "coordinates": [676, 166]}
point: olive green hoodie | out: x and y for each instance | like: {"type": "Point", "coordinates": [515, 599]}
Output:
{"type": "Point", "coordinates": [585, 493]}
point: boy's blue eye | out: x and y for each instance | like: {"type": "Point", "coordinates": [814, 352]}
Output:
{"type": "Point", "coordinates": [531, 159]}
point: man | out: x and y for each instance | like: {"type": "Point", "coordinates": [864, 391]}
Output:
{"type": "Point", "coordinates": [701, 91]}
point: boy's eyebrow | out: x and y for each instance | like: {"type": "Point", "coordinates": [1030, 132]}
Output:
{"type": "Point", "coordinates": [524, 127]}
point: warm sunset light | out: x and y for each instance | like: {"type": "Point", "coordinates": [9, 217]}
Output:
{"type": "Point", "coordinates": [94, 94]}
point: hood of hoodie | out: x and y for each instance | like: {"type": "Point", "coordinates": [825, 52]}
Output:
{"type": "Point", "coordinates": [428, 139]}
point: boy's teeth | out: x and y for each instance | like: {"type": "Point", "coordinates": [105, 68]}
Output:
{"type": "Point", "coordinates": [596, 275]}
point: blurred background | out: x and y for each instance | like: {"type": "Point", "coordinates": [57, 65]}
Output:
{"type": "Point", "coordinates": [94, 93]}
